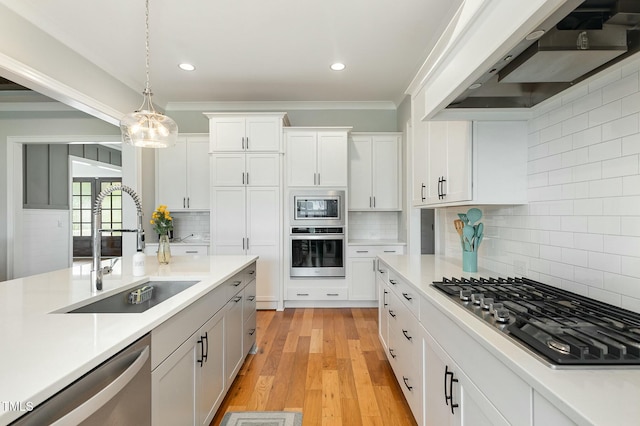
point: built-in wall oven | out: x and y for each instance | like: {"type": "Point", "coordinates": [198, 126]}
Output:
{"type": "Point", "coordinates": [317, 251]}
{"type": "Point", "coordinates": [317, 237]}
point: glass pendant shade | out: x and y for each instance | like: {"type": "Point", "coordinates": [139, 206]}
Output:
{"type": "Point", "coordinates": [148, 129]}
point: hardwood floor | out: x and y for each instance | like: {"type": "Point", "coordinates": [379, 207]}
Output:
{"type": "Point", "coordinates": [327, 363]}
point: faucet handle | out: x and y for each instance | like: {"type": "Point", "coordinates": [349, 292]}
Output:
{"type": "Point", "coordinates": [108, 269]}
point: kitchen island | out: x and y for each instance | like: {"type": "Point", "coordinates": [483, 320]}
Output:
{"type": "Point", "coordinates": [497, 379]}
{"type": "Point", "coordinates": [45, 349]}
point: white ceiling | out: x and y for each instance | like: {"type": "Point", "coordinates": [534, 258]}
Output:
{"type": "Point", "coordinates": [252, 50]}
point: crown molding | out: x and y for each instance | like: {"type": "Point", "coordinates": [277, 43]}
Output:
{"type": "Point", "coordinates": [279, 106]}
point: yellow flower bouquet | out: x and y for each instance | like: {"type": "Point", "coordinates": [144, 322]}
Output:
{"type": "Point", "coordinates": [161, 220]}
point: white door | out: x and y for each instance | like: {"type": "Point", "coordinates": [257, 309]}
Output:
{"type": "Point", "coordinates": [212, 384]}
{"type": "Point", "coordinates": [332, 159]}
{"type": "Point", "coordinates": [420, 166]}
{"type": "Point", "coordinates": [458, 164]}
{"type": "Point", "coordinates": [228, 220]}
{"type": "Point", "coordinates": [363, 279]}
{"type": "Point", "coordinates": [228, 169]}
{"type": "Point", "coordinates": [302, 158]}
{"type": "Point", "coordinates": [437, 158]}
{"type": "Point", "coordinates": [262, 169]}
{"type": "Point", "coordinates": [262, 134]}
{"type": "Point", "coordinates": [386, 172]}
{"type": "Point", "coordinates": [233, 338]}
{"type": "Point", "coordinates": [227, 133]}
{"type": "Point", "coordinates": [198, 184]}
{"type": "Point", "coordinates": [360, 173]}
{"type": "Point", "coordinates": [172, 176]}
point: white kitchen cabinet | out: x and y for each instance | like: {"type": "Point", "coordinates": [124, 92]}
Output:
{"type": "Point", "coordinates": [458, 402]}
{"type": "Point", "coordinates": [193, 366]}
{"type": "Point", "coordinates": [178, 249]}
{"type": "Point", "coordinates": [246, 220]}
{"type": "Point", "coordinates": [464, 162]}
{"type": "Point", "coordinates": [238, 169]}
{"type": "Point", "coordinates": [383, 305]}
{"type": "Point", "coordinates": [362, 269]}
{"type": "Point", "coordinates": [545, 413]}
{"type": "Point", "coordinates": [182, 174]}
{"type": "Point", "coordinates": [374, 171]}
{"type": "Point", "coordinates": [317, 157]}
{"type": "Point", "coordinates": [246, 131]}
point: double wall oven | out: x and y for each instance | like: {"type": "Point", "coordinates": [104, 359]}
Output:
{"type": "Point", "coordinates": [316, 239]}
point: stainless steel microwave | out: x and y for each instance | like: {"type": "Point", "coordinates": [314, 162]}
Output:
{"type": "Point", "coordinates": [317, 207]}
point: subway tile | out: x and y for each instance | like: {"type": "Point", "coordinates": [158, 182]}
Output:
{"type": "Point", "coordinates": [560, 176]}
{"type": "Point", "coordinates": [544, 164]}
{"type": "Point", "coordinates": [574, 223]}
{"type": "Point", "coordinates": [619, 89]}
{"type": "Point", "coordinates": [621, 127]}
{"type": "Point", "coordinates": [587, 137]}
{"type": "Point", "coordinates": [631, 185]}
{"type": "Point", "coordinates": [538, 179]}
{"type": "Point", "coordinates": [623, 166]}
{"type": "Point", "coordinates": [605, 150]}
{"type": "Point", "coordinates": [575, 124]}
{"type": "Point", "coordinates": [564, 112]}
{"type": "Point", "coordinates": [539, 237]}
{"type": "Point", "coordinates": [604, 79]}
{"type": "Point", "coordinates": [550, 133]}
{"type": "Point", "coordinates": [549, 223]}
{"type": "Point", "coordinates": [605, 187]}
{"type": "Point", "coordinates": [622, 244]}
{"type": "Point", "coordinates": [622, 284]}
{"type": "Point", "coordinates": [604, 262]}
{"type": "Point", "coordinates": [630, 303]}
{"type": "Point", "coordinates": [538, 209]}
{"type": "Point", "coordinates": [575, 157]}
{"type": "Point", "coordinates": [574, 191]}
{"type": "Point", "coordinates": [533, 139]}
{"type": "Point", "coordinates": [585, 241]}
{"type": "Point", "coordinates": [575, 287]}
{"type": "Point", "coordinates": [586, 172]}
{"type": "Point", "coordinates": [548, 105]}
{"type": "Point", "coordinates": [575, 257]}
{"type": "Point", "coordinates": [631, 103]}
{"type": "Point", "coordinates": [622, 206]}
{"type": "Point", "coordinates": [587, 103]}
{"type": "Point", "coordinates": [574, 93]}
{"type": "Point", "coordinates": [545, 193]}
{"type": "Point", "coordinates": [604, 225]}
{"type": "Point", "coordinates": [605, 296]}
{"type": "Point", "coordinates": [538, 151]}
{"type": "Point", "coordinates": [605, 113]}
{"type": "Point", "coordinates": [560, 145]}
{"type": "Point", "coordinates": [561, 239]}
{"type": "Point", "coordinates": [561, 270]}
{"type": "Point", "coordinates": [630, 265]}
{"type": "Point", "coordinates": [588, 207]}
{"type": "Point", "coordinates": [538, 123]}
{"type": "Point", "coordinates": [631, 144]}
{"type": "Point", "coordinates": [630, 67]}
{"type": "Point", "coordinates": [590, 277]}
{"type": "Point", "coordinates": [630, 225]}
{"type": "Point", "coordinates": [550, 252]}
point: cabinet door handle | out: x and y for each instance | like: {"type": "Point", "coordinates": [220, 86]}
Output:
{"type": "Point", "coordinates": [247, 243]}
{"type": "Point", "coordinates": [384, 298]}
{"type": "Point", "coordinates": [374, 265]}
{"type": "Point", "coordinates": [201, 360]}
{"type": "Point", "coordinates": [391, 353]}
{"type": "Point", "coordinates": [407, 335]}
{"type": "Point", "coordinates": [242, 243]}
{"type": "Point", "coordinates": [247, 139]}
{"type": "Point", "coordinates": [318, 178]}
{"type": "Point", "coordinates": [392, 313]}
{"type": "Point", "coordinates": [406, 382]}
{"type": "Point", "coordinates": [374, 202]}
{"type": "Point", "coordinates": [370, 202]}
{"type": "Point", "coordinates": [444, 194]}
{"type": "Point", "coordinates": [206, 354]}
{"type": "Point", "coordinates": [243, 142]}
{"type": "Point", "coordinates": [422, 192]}
{"type": "Point", "coordinates": [439, 188]}
{"type": "Point", "coordinates": [406, 296]}
{"type": "Point", "coordinates": [188, 202]}
{"type": "Point", "coordinates": [314, 178]}
{"type": "Point", "coordinates": [184, 202]}
{"type": "Point", "coordinates": [243, 178]}
{"type": "Point", "coordinates": [393, 282]}
{"type": "Point", "coordinates": [252, 331]}
{"type": "Point", "coordinates": [449, 398]}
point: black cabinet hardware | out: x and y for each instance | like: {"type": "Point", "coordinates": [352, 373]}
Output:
{"type": "Point", "coordinates": [236, 283]}
{"type": "Point", "coordinates": [422, 192]}
{"type": "Point", "coordinates": [205, 355]}
{"type": "Point", "coordinates": [449, 397]}
{"type": "Point", "coordinates": [392, 313]}
{"type": "Point", "coordinates": [391, 353]}
{"type": "Point", "coordinates": [406, 334]}
{"type": "Point", "coordinates": [406, 383]}
{"type": "Point", "coordinates": [201, 360]}
{"type": "Point", "coordinates": [252, 331]}
{"type": "Point", "coordinates": [384, 298]}
{"type": "Point", "coordinates": [406, 296]}
{"type": "Point", "coordinates": [393, 282]}
{"type": "Point", "coordinates": [237, 299]}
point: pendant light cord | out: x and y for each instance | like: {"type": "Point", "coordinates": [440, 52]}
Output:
{"type": "Point", "coordinates": [147, 87]}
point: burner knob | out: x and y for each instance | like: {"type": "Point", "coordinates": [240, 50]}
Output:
{"type": "Point", "coordinates": [476, 298]}
{"type": "Point", "coordinates": [495, 305]}
{"type": "Point", "coordinates": [486, 303]}
{"type": "Point", "coordinates": [465, 295]}
{"type": "Point", "coordinates": [501, 315]}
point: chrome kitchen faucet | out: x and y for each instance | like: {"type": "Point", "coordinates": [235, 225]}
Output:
{"type": "Point", "coordinates": [97, 272]}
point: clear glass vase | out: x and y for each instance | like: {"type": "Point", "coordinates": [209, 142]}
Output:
{"type": "Point", "coordinates": [164, 251]}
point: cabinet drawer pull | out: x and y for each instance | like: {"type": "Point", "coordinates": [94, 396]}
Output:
{"type": "Point", "coordinates": [251, 298]}
{"type": "Point", "coordinates": [191, 251]}
{"type": "Point", "coordinates": [251, 272]}
{"type": "Point", "coordinates": [394, 282]}
{"type": "Point", "coordinates": [406, 296]}
{"type": "Point", "coordinates": [406, 383]}
{"type": "Point", "coordinates": [406, 335]}
{"type": "Point", "coordinates": [362, 251]}
{"type": "Point", "coordinates": [237, 299]}
{"type": "Point", "coordinates": [449, 398]}
{"type": "Point", "coordinates": [389, 251]}
{"type": "Point", "coordinates": [236, 283]}
{"type": "Point", "coordinates": [302, 294]}
{"type": "Point", "coordinates": [252, 331]}
{"type": "Point", "coordinates": [391, 353]}
{"type": "Point", "coordinates": [392, 313]}
{"type": "Point", "coordinates": [333, 294]}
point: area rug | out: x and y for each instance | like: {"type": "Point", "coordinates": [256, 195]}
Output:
{"type": "Point", "coordinates": [262, 418]}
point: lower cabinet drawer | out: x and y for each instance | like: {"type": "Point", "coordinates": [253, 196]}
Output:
{"type": "Point", "coordinates": [303, 293]}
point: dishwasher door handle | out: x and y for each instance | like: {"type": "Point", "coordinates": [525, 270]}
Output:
{"type": "Point", "coordinates": [93, 404]}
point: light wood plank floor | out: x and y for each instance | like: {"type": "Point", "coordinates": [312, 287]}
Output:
{"type": "Point", "coordinates": [327, 363]}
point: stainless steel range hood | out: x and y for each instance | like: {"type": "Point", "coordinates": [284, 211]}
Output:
{"type": "Point", "coordinates": [579, 40]}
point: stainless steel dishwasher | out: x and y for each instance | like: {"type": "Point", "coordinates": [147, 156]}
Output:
{"type": "Point", "coordinates": [117, 392]}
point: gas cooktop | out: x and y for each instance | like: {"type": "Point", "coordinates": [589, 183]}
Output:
{"type": "Point", "coordinates": [566, 329]}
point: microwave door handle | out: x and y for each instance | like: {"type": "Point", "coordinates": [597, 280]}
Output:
{"type": "Point", "coordinates": [109, 392]}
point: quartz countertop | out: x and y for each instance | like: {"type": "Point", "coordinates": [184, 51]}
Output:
{"type": "Point", "coordinates": [44, 349]}
{"type": "Point", "coordinates": [588, 396]}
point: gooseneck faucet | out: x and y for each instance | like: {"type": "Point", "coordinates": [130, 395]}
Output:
{"type": "Point", "coordinates": [97, 272]}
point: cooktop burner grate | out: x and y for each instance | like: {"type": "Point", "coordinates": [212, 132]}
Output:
{"type": "Point", "coordinates": [566, 328]}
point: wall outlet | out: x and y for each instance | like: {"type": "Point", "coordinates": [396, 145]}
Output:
{"type": "Point", "coordinates": [520, 267]}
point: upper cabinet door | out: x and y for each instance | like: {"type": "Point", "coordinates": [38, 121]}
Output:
{"type": "Point", "coordinates": [262, 134]}
{"type": "Point", "coordinates": [458, 162]}
{"type": "Point", "coordinates": [198, 179]}
{"type": "Point", "coordinates": [360, 173]}
{"type": "Point", "coordinates": [227, 133]}
{"type": "Point", "coordinates": [228, 169]}
{"type": "Point", "coordinates": [332, 159]}
{"type": "Point", "coordinates": [301, 158]}
{"type": "Point", "coordinates": [172, 176]}
{"type": "Point", "coordinates": [386, 173]}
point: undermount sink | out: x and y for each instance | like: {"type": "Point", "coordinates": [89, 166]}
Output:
{"type": "Point", "coordinates": [119, 303]}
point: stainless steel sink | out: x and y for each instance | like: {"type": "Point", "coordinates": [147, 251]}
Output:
{"type": "Point", "coordinates": [119, 303]}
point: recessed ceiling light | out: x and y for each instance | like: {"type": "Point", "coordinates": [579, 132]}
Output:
{"type": "Point", "coordinates": [338, 66]}
{"type": "Point", "coordinates": [475, 86]}
{"type": "Point", "coordinates": [534, 35]}
{"type": "Point", "coordinates": [186, 67]}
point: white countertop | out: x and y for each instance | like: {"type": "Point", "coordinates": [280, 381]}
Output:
{"type": "Point", "coordinates": [376, 243]}
{"type": "Point", "coordinates": [588, 396]}
{"type": "Point", "coordinates": [43, 351]}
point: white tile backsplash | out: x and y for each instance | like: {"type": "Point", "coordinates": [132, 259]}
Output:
{"type": "Point", "coordinates": [373, 225]}
{"type": "Point", "coordinates": [581, 228]}
{"type": "Point", "coordinates": [191, 225]}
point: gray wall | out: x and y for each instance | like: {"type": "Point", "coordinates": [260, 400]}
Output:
{"type": "Point", "coordinates": [38, 124]}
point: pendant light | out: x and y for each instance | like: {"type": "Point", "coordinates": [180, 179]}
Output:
{"type": "Point", "coordinates": [145, 127]}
